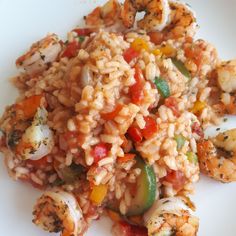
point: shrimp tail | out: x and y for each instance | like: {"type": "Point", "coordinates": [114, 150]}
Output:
{"type": "Point", "coordinates": [58, 211]}
{"type": "Point", "coordinates": [217, 157]}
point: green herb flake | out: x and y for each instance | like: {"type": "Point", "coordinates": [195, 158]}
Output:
{"type": "Point", "coordinates": [162, 87]}
{"type": "Point", "coordinates": [225, 119]}
{"type": "Point", "coordinates": [181, 67]}
{"type": "Point", "coordinates": [13, 138]}
{"type": "Point", "coordinates": [81, 39]}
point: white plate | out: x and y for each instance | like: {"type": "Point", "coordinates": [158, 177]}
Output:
{"type": "Point", "coordinates": [23, 22]}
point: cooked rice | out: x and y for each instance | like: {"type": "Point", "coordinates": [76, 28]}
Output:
{"type": "Point", "coordinates": [81, 89]}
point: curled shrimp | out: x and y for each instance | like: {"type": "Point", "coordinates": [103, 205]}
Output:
{"type": "Point", "coordinates": [106, 15]}
{"type": "Point", "coordinates": [171, 216]}
{"type": "Point", "coordinates": [37, 140]}
{"type": "Point", "coordinates": [40, 55]}
{"type": "Point", "coordinates": [182, 21]}
{"type": "Point", "coordinates": [25, 129]}
{"type": "Point", "coordinates": [224, 81]}
{"type": "Point", "coordinates": [156, 17]}
{"type": "Point", "coordinates": [226, 76]}
{"type": "Point", "coordinates": [217, 156]}
{"type": "Point", "coordinates": [58, 211]}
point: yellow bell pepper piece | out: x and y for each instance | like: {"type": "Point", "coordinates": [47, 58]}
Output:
{"type": "Point", "coordinates": [198, 107]}
{"type": "Point", "coordinates": [114, 216]}
{"type": "Point", "coordinates": [138, 44]}
{"type": "Point", "coordinates": [168, 50]}
{"type": "Point", "coordinates": [156, 52]}
{"type": "Point", "coordinates": [98, 194]}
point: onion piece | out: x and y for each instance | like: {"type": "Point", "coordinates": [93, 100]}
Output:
{"type": "Point", "coordinates": [85, 76]}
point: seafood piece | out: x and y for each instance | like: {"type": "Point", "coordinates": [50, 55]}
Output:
{"type": "Point", "coordinates": [217, 156]}
{"type": "Point", "coordinates": [156, 16]}
{"type": "Point", "coordinates": [226, 75]}
{"type": "Point", "coordinates": [106, 15]}
{"type": "Point", "coordinates": [37, 141]}
{"type": "Point", "coordinates": [171, 216]}
{"type": "Point", "coordinates": [181, 24]}
{"type": "Point", "coordinates": [182, 21]}
{"type": "Point", "coordinates": [40, 55]}
{"type": "Point", "coordinates": [58, 211]}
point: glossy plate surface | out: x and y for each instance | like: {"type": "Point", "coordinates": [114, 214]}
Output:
{"type": "Point", "coordinates": [23, 22]}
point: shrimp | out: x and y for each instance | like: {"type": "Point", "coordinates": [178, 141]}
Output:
{"type": "Point", "coordinates": [25, 129]}
{"type": "Point", "coordinates": [156, 17]}
{"type": "Point", "coordinates": [217, 156]}
{"type": "Point", "coordinates": [58, 211]}
{"type": "Point", "coordinates": [224, 81]}
{"type": "Point", "coordinates": [226, 76]}
{"type": "Point", "coordinates": [106, 15]}
{"type": "Point", "coordinates": [40, 55]}
{"type": "Point", "coordinates": [171, 216]}
{"type": "Point", "coordinates": [182, 21]}
{"type": "Point", "coordinates": [37, 140]}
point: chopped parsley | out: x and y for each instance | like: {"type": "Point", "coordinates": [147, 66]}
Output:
{"type": "Point", "coordinates": [81, 39]}
{"type": "Point", "coordinates": [13, 138]}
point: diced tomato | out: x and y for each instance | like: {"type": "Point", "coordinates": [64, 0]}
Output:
{"type": "Point", "coordinates": [194, 53]}
{"type": "Point", "coordinates": [135, 134]}
{"type": "Point", "coordinates": [176, 178]}
{"type": "Point", "coordinates": [111, 115]}
{"type": "Point", "coordinates": [125, 229]}
{"type": "Point", "coordinates": [136, 93]}
{"type": "Point", "coordinates": [73, 139]}
{"type": "Point", "coordinates": [171, 102]}
{"type": "Point", "coordinates": [196, 128]}
{"type": "Point", "coordinates": [136, 90]}
{"type": "Point", "coordinates": [83, 31]}
{"type": "Point", "coordinates": [39, 163]}
{"type": "Point", "coordinates": [99, 151]}
{"type": "Point", "coordinates": [126, 157]}
{"type": "Point", "coordinates": [71, 49]}
{"type": "Point", "coordinates": [29, 105]}
{"type": "Point", "coordinates": [125, 142]}
{"type": "Point", "coordinates": [129, 54]}
{"type": "Point", "coordinates": [156, 37]}
{"type": "Point", "coordinates": [150, 127]}
{"type": "Point", "coordinates": [138, 75]}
